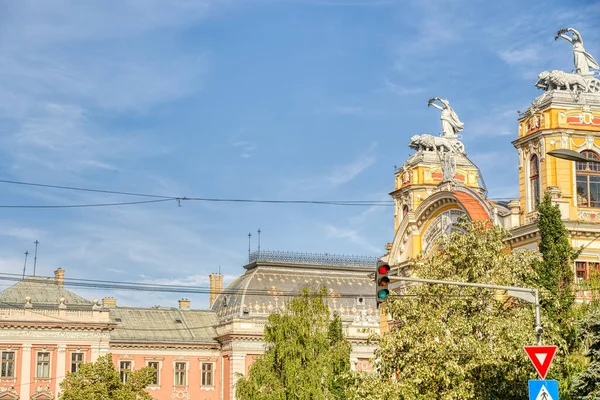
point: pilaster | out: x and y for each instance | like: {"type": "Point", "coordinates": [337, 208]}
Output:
{"type": "Point", "coordinates": [26, 380]}
{"type": "Point", "coordinates": [61, 367]}
{"type": "Point", "coordinates": [238, 365]}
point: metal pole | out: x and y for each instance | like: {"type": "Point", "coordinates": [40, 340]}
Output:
{"type": "Point", "coordinates": [538, 321]}
{"type": "Point", "coordinates": [528, 294]}
{"type": "Point", "coordinates": [35, 256]}
{"type": "Point", "coordinates": [249, 237]}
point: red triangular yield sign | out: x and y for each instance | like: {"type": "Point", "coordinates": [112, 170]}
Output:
{"type": "Point", "coordinates": [541, 357]}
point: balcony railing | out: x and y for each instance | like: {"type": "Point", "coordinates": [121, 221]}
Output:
{"type": "Point", "coordinates": [312, 258]}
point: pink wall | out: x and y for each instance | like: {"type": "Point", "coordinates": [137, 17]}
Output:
{"type": "Point", "coordinates": [166, 389]}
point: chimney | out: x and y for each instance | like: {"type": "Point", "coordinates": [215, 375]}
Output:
{"type": "Point", "coordinates": [59, 277]}
{"type": "Point", "coordinates": [216, 286]}
{"type": "Point", "coordinates": [184, 304]}
{"type": "Point", "coordinates": [109, 302]}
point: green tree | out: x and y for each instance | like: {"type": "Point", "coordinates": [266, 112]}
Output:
{"type": "Point", "coordinates": [555, 277]}
{"type": "Point", "coordinates": [306, 357]}
{"type": "Point", "coordinates": [453, 342]}
{"type": "Point", "coordinates": [555, 269]}
{"type": "Point", "coordinates": [586, 384]}
{"type": "Point", "coordinates": [100, 381]}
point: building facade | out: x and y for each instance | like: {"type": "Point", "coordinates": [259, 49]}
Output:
{"type": "Point", "coordinates": [438, 184]}
{"type": "Point", "coordinates": [47, 331]}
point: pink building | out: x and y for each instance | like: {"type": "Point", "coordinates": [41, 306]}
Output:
{"type": "Point", "coordinates": [47, 331]}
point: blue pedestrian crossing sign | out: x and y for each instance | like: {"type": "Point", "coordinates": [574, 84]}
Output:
{"type": "Point", "coordinates": [543, 390]}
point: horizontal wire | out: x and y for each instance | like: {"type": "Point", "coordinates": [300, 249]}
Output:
{"type": "Point", "coordinates": [126, 203]}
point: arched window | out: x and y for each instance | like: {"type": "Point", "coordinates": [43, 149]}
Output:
{"type": "Point", "coordinates": [534, 181]}
{"type": "Point", "coordinates": [588, 180]}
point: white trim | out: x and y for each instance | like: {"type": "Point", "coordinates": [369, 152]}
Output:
{"type": "Point", "coordinates": [212, 371]}
{"type": "Point", "coordinates": [37, 361]}
{"type": "Point", "coordinates": [131, 369]}
{"type": "Point", "coordinates": [16, 353]}
{"type": "Point", "coordinates": [71, 352]}
{"type": "Point", "coordinates": [158, 372]}
{"type": "Point", "coordinates": [186, 376]}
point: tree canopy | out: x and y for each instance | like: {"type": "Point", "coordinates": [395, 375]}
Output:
{"type": "Point", "coordinates": [451, 342]}
{"type": "Point", "coordinates": [306, 357]}
{"type": "Point", "coordinates": [101, 381]}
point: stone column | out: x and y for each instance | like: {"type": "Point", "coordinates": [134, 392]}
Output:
{"type": "Point", "coordinates": [94, 352]}
{"type": "Point", "coordinates": [26, 378]}
{"type": "Point", "coordinates": [238, 365]}
{"type": "Point", "coordinates": [61, 366]}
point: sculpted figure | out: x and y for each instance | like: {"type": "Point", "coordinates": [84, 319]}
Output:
{"type": "Point", "coordinates": [582, 59]}
{"type": "Point", "coordinates": [451, 125]}
{"type": "Point", "coordinates": [562, 81]}
{"type": "Point", "coordinates": [428, 142]}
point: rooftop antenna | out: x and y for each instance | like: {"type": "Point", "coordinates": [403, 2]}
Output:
{"type": "Point", "coordinates": [219, 270]}
{"type": "Point", "coordinates": [249, 237]}
{"type": "Point", "coordinates": [25, 266]}
{"type": "Point", "coordinates": [258, 240]}
{"type": "Point", "coordinates": [35, 256]}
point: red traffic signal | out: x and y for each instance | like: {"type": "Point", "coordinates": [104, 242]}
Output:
{"type": "Point", "coordinates": [382, 281]}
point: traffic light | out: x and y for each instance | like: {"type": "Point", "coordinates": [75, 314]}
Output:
{"type": "Point", "coordinates": [382, 282]}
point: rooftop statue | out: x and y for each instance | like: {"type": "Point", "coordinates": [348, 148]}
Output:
{"type": "Point", "coordinates": [582, 59]}
{"type": "Point", "coordinates": [451, 125]}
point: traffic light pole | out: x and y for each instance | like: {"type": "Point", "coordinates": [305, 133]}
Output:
{"type": "Point", "coordinates": [527, 294]}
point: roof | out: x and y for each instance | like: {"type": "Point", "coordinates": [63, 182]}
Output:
{"type": "Point", "coordinates": [163, 325]}
{"type": "Point", "coordinates": [267, 285]}
{"type": "Point", "coordinates": [43, 292]}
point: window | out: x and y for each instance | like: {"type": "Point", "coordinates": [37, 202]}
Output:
{"type": "Point", "coordinates": [583, 270]}
{"type": "Point", "coordinates": [43, 365]}
{"type": "Point", "coordinates": [207, 374]}
{"type": "Point", "coordinates": [156, 366]}
{"type": "Point", "coordinates": [8, 364]}
{"type": "Point", "coordinates": [534, 181]}
{"type": "Point", "coordinates": [180, 373]}
{"type": "Point", "coordinates": [124, 370]}
{"type": "Point", "coordinates": [76, 359]}
{"type": "Point", "coordinates": [404, 210]}
{"type": "Point", "coordinates": [588, 180]}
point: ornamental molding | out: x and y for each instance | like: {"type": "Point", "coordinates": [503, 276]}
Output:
{"type": "Point", "coordinates": [44, 334]}
{"type": "Point", "coordinates": [180, 394]}
{"type": "Point", "coordinates": [593, 216]}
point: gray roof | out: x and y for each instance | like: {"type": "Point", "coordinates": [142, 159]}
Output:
{"type": "Point", "coordinates": [163, 325]}
{"type": "Point", "coordinates": [44, 292]}
{"type": "Point", "coordinates": [266, 286]}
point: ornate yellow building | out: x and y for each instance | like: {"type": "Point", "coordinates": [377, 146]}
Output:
{"type": "Point", "coordinates": [439, 184]}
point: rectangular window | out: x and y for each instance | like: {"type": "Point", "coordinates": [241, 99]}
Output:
{"type": "Point", "coordinates": [8, 364]}
{"type": "Point", "coordinates": [580, 270]}
{"type": "Point", "coordinates": [207, 374]}
{"type": "Point", "coordinates": [43, 365]}
{"type": "Point", "coordinates": [155, 365]}
{"type": "Point", "coordinates": [76, 359]}
{"type": "Point", "coordinates": [180, 368]}
{"type": "Point", "coordinates": [124, 370]}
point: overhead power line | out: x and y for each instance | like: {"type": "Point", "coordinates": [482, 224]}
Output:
{"type": "Point", "coordinates": [179, 199]}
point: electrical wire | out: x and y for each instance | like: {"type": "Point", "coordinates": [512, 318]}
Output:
{"type": "Point", "coordinates": [369, 203]}
{"type": "Point", "coordinates": [127, 203]}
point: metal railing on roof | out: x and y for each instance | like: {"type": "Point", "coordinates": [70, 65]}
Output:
{"type": "Point", "coordinates": [312, 258]}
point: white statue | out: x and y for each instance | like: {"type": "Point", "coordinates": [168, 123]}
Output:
{"type": "Point", "coordinates": [582, 59]}
{"type": "Point", "coordinates": [451, 125]}
{"type": "Point", "coordinates": [428, 142]}
{"type": "Point", "coordinates": [563, 81]}
{"type": "Point", "coordinates": [448, 167]}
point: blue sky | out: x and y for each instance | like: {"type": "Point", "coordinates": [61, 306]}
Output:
{"type": "Point", "coordinates": [264, 99]}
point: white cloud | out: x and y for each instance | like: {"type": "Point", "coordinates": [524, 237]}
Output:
{"type": "Point", "coordinates": [402, 91]}
{"type": "Point", "coordinates": [352, 235]}
{"type": "Point", "coordinates": [341, 174]}
{"type": "Point", "coordinates": [524, 55]}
